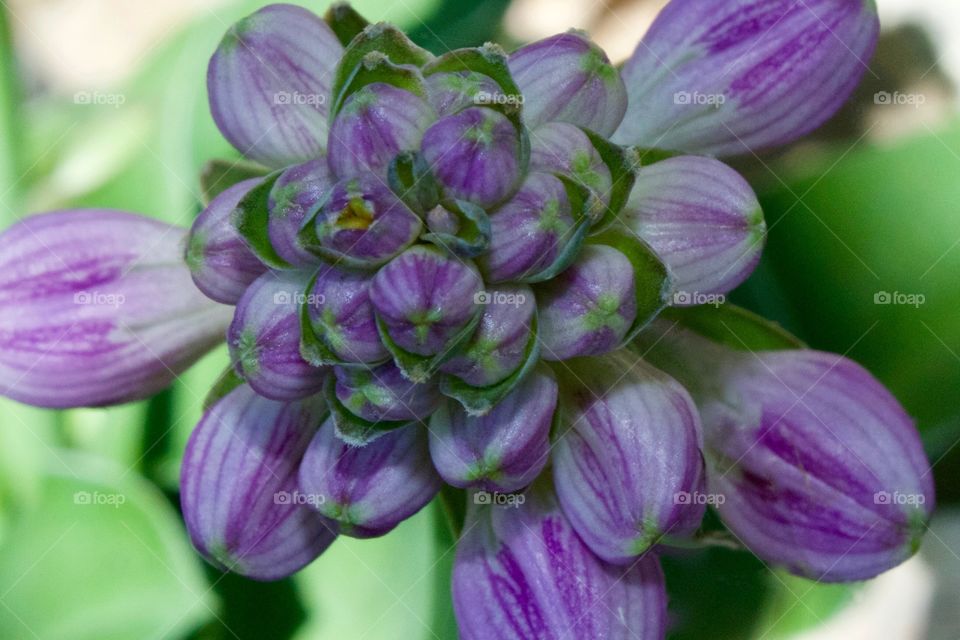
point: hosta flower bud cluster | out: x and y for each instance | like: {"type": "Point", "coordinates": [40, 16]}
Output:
{"type": "Point", "coordinates": [439, 267]}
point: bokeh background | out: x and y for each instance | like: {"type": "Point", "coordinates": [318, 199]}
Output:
{"type": "Point", "coordinates": [103, 103]}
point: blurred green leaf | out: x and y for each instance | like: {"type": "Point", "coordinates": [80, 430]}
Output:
{"type": "Point", "coordinates": [100, 555]}
{"type": "Point", "coordinates": [797, 605]}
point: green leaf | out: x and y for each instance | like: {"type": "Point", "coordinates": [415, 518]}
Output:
{"type": "Point", "coordinates": [651, 278]}
{"type": "Point", "coordinates": [623, 163]}
{"type": "Point", "coordinates": [480, 400]}
{"type": "Point", "coordinates": [351, 427]}
{"type": "Point", "coordinates": [218, 175]}
{"type": "Point", "coordinates": [251, 218]}
{"type": "Point", "coordinates": [101, 555]}
{"type": "Point", "coordinates": [345, 22]}
{"type": "Point", "coordinates": [734, 327]}
{"type": "Point", "coordinates": [419, 368]}
{"type": "Point", "coordinates": [472, 237]}
{"type": "Point", "coordinates": [380, 53]}
{"type": "Point", "coordinates": [796, 605]}
{"type": "Point", "coordinates": [222, 386]}
{"type": "Point", "coordinates": [10, 126]}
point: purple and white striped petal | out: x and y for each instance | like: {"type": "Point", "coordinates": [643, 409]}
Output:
{"type": "Point", "coordinates": [97, 307]}
{"type": "Point", "coordinates": [384, 394]}
{"type": "Point", "coordinates": [370, 489]}
{"type": "Point", "coordinates": [375, 124]}
{"type": "Point", "coordinates": [297, 190]}
{"type": "Point", "coordinates": [588, 309]}
{"type": "Point", "coordinates": [450, 92]}
{"type": "Point", "coordinates": [558, 147]}
{"type": "Point", "coordinates": [269, 84]}
{"type": "Point", "coordinates": [363, 223]}
{"type": "Point", "coordinates": [220, 261]}
{"type": "Point", "coordinates": [502, 451]}
{"type": "Point", "coordinates": [702, 219]}
{"type": "Point", "coordinates": [264, 338]}
{"type": "Point", "coordinates": [733, 77]}
{"type": "Point", "coordinates": [626, 461]}
{"type": "Point", "coordinates": [522, 573]}
{"type": "Point", "coordinates": [499, 345]}
{"type": "Point", "coordinates": [567, 78]}
{"type": "Point", "coordinates": [475, 155]}
{"type": "Point", "coordinates": [341, 315]}
{"type": "Point", "coordinates": [530, 231]}
{"type": "Point", "coordinates": [822, 470]}
{"type": "Point", "coordinates": [238, 486]}
{"type": "Point", "coordinates": [426, 298]}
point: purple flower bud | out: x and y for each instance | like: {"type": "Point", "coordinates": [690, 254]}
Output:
{"type": "Point", "coordinates": [426, 299]}
{"type": "Point", "coordinates": [450, 92]}
{"type": "Point", "coordinates": [371, 489]}
{"type": "Point", "coordinates": [502, 451]}
{"type": "Point", "coordinates": [220, 261]}
{"type": "Point", "coordinates": [297, 190]}
{"type": "Point", "coordinates": [476, 155]}
{"type": "Point", "coordinates": [384, 394]}
{"type": "Point", "coordinates": [341, 315]}
{"type": "Point", "coordinates": [269, 82]}
{"type": "Point", "coordinates": [375, 124]}
{"type": "Point", "coordinates": [627, 462]}
{"type": "Point", "coordinates": [588, 309]}
{"type": "Point", "coordinates": [558, 147]}
{"type": "Point", "coordinates": [702, 219]}
{"type": "Point", "coordinates": [720, 79]}
{"type": "Point", "coordinates": [264, 338]}
{"type": "Point", "coordinates": [822, 470]}
{"type": "Point", "coordinates": [238, 486]}
{"type": "Point", "coordinates": [363, 223]}
{"type": "Point", "coordinates": [567, 78]}
{"type": "Point", "coordinates": [97, 307]}
{"type": "Point", "coordinates": [530, 232]}
{"type": "Point", "coordinates": [521, 572]}
{"type": "Point", "coordinates": [499, 345]}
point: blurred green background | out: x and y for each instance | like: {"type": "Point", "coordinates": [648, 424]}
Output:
{"type": "Point", "coordinates": [91, 542]}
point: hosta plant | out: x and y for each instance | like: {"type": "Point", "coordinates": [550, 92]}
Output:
{"type": "Point", "coordinates": [476, 275]}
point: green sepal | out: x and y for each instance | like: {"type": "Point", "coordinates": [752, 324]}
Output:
{"type": "Point", "coordinates": [651, 277]}
{"type": "Point", "coordinates": [379, 53]}
{"type": "Point", "coordinates": [345, 22]}
{"type": "Point", "coordinates": [415, 367]}
{"type": "Point", "coordinates": [226, 382]}
{"type": "Point", "coordinates": [734, 327]}
{"type": "Point", "coordinates": [480, 400]}
{"type": "Point", "coordinates": [473, 237]}
{"type": "Point", "coordinates": [585, 206]}
{"type": "Point", "coordinates": [648, 156]}
{"type": "Point", "coordinates": [218, 175]}
{"type": "Point", "coordinates": [251, 218]}
{"type": "Point", "coordinates": [351, 428]}
{"type": "Point", "coordinates": [410, 178]}
{"type": "Point", "coordinates": [489, 60]}
{"type": "Point", "coordinates": [623, 163]}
